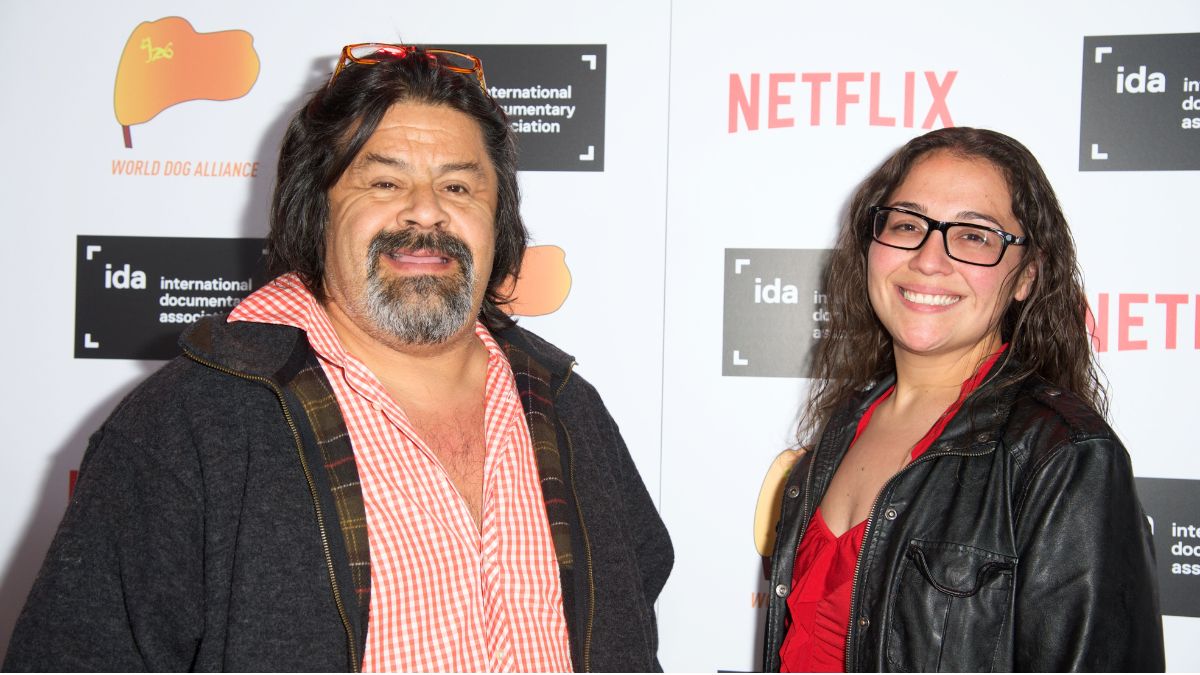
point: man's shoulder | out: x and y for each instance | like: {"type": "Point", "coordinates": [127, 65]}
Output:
{"type": "Point", "coordinates": [550, 357]}
{"type": "Point", "coordinates": [219, 372]}
{"type": "Point", "coordinates": [260, 349]}
{"type": "Point", "coordinates": [572, 392]}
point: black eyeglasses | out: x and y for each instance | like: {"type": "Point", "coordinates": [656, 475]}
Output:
{"type": "Point", "coordinates": [965, 242]}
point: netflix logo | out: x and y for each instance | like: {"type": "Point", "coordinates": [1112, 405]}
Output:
{"type": "Point", "coordinates": [1144, 321]}
{"type": "Point", "coordinates": [778, 100]}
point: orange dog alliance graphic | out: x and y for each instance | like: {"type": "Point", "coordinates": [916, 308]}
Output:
{"type": "Point", "coordinates": [166, 62]}
{"type": "Point", "coordinates": [543, 284]}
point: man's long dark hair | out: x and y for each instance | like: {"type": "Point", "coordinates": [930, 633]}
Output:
{"type": "Point", "coordinates": [327, 134]}
{"type": "Point", "coordinates": [1047, 332]}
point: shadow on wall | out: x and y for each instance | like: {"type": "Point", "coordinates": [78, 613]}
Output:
{"type": "Point", "coordinates": [256, 214]}
{"type": "Point", "coordinates": [43, 522]}
{"type": "Point", "coordinates": [762, 586]}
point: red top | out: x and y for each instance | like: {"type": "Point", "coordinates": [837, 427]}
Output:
{"type": "Point", "coordinates": [823, 575]}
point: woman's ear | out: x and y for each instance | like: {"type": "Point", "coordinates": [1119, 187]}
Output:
{"type": "Point", "coordinates": [1025, 284]}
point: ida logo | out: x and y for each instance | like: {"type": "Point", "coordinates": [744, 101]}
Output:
{"type": "Point", "coordinates": [1139, 110]}
{"type": "Point", "coordinates": [166, 62]}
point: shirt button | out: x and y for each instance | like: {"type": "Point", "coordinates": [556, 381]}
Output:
{"type": "Point", "coordinates": [981, 438]}
{"type": "Point", "coordinates": [377, 406]}
{"type": "Point", "coordinates": [890, 514]}
{"type": "Point", "coordinates": [793, 492]}
{"type": "Point", "coordinates": [864, 622]}
{"type": "Point", "coordinates": [781, 590]}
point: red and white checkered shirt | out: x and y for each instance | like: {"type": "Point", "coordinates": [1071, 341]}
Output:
{"type": "Point", "coordinates": [446, 595]}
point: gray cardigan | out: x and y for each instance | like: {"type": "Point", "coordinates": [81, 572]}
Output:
{"type": "Point", "coordinates": [197, 540]}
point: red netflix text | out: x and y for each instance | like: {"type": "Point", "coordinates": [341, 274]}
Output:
{"type": "Point", "coordinates": [1140, 321]}
{"type": "Point", "coordinates": [890, 100]}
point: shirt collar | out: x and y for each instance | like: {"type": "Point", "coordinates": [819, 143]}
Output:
{"type": "Point", "coordinates": [287, 301]}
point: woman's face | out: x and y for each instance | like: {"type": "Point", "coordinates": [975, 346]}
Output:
{"type": "Point", "coordinates": [929, 303]}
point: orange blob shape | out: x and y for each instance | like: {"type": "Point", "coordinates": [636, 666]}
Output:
{"type": "Point", "coordinates": [166, 62]}
{"type": "Point", "coordinates": [543, 284]}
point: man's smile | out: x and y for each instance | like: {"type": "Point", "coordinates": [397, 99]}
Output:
{"type": "Point", "coordinates": [419, 257]}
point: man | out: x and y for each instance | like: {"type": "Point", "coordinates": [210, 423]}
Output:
{"type": "Point", "coordinates": [367, 465]}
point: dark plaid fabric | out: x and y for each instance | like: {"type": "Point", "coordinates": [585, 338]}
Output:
{"type": "Point", "coordinates": [325, 417]}
{"type": "Point", "coordinates": [533, 387]}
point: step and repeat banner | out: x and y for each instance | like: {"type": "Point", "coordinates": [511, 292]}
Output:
{"type": "Point", "coordinates": [684, 167]}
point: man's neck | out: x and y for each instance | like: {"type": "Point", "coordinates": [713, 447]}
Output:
{"type": "Point", "coordinates": [416, 373]}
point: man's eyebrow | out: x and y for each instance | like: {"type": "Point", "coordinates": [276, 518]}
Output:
{"type": "Point", "coordinates": [470, 167]}
{"type": "Point", "coordinates": [401, 165]}
{"type": "Point", "coordinates": [376, 158]}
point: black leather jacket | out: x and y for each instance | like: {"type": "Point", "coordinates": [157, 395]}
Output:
{"type": "Point", "coordinates": [1015, 543]}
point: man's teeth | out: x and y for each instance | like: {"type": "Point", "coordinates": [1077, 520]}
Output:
{"type": "Point", "coordinates": [927, 299]}
{"type": "Point", "coordinates": [419, 259]}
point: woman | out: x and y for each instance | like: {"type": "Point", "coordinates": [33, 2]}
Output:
{"type": "Point", "coordinates": [966, 507]}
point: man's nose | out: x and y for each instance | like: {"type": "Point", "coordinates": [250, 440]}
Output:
{"type": "Point", "coordinates": [424, 208]}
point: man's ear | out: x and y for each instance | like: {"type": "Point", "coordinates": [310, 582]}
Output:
{"type": "Point", "coordinates": [1025, 283]}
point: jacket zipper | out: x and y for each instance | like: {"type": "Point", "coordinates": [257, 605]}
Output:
{"type": "Point", "coordinates": [812, 461]}
{"type": "Point", "coordinates": [867, 534]}
{"type": "Point", "coordinates": [587, 545]}
{"type": "Point", "coordinates": [566, 378]}
{"type": "Point", "coordinates": [312, 489]}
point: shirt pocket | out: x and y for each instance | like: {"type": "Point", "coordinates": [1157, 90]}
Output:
{"type": "Point", "coordinates": [950, 609]}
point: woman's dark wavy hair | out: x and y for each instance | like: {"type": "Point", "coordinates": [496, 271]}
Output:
{"type": "Point", "coordinates": [327, 134]}
{"type": "Point", "coordinates": [1047, 332]}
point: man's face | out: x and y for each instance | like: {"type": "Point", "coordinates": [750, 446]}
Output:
{"type": "Point", "coordinates": [411, 236]}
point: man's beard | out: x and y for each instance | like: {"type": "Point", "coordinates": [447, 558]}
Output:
{"type": "Point", "coordinates": [419, 310]}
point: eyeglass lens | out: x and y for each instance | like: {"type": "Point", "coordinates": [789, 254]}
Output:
{"type": "Point", "coordinates": [373, 51]}
{"type": "Point", "coordinates": [455, 61]}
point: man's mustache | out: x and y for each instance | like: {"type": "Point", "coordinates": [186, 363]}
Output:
{"type": "Point", "coordinates": [436, 242]}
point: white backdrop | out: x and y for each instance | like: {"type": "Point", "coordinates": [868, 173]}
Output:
{"type": "Point", "coordinates": [645, 238]}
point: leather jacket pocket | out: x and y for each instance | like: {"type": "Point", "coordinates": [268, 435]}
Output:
{"type": "Point", "coordinates": [951, 606]}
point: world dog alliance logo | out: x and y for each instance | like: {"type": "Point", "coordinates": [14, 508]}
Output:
{"type": "Point", "coordinates": [166, 62]}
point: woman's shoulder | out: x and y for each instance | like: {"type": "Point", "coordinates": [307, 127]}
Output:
{"type": "Point", "coordinates": [1038, 399]}
{"type": "Point", "coordinates": [1047, 420]}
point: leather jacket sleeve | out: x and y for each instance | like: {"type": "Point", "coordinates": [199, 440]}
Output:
{"type": "Point", "coordinates": [1087, 596]}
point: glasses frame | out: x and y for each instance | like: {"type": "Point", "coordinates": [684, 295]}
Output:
{"type": "Point", "coordinates": [1006, 238]}
{"type": "Point", "coordinates": [402, 51]}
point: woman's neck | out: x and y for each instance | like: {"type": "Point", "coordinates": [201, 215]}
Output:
{"type": "Point", "coordinates": [923, 378]}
